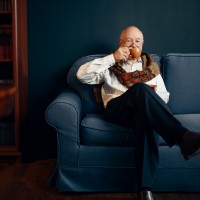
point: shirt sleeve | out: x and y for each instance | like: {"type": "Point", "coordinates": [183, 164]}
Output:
{"type": "Point", "coordinates": [161, 89]}
{"type": "Point", "coordinates": [93, 72]}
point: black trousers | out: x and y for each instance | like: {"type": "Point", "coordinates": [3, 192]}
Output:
{"type": "Point", "coordinates": [142, 109]}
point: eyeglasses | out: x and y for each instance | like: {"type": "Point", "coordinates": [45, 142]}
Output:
{"type": "Point", "coordinates": [130, 42]}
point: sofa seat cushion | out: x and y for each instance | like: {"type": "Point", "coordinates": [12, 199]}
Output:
{"type": "Point", "coordinates": [95, 130]}
{"type": "Point", "coordinates": [190, 121]}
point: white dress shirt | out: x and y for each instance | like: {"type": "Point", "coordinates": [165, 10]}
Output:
{"type": "Point", "coordinates": [97, 71]}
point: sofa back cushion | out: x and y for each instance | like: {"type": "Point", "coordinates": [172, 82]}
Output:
{"type": "Point", "coordinates": [181, 74]}
{"type": "Point", "coordinates": [86, 91]}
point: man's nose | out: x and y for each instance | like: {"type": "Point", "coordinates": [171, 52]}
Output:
{"type": "Point", "coordinates": [134, 44]}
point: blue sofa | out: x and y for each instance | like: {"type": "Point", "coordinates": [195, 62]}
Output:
{"type": "Point", "coordinates": [97, 156]}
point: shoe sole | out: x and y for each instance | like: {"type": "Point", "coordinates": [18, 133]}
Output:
{"type": "Point", "coordinates": [188, 157]}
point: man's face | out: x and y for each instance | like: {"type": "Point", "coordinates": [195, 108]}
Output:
{"type": "Point", "coordinates": [132, 38]}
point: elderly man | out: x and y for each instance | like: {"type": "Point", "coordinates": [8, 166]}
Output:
{"type": "Point", "coordinates": [134, 94]}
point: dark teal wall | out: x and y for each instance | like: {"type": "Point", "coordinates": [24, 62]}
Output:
{"type": "Point", "coordinates": [61, 31]}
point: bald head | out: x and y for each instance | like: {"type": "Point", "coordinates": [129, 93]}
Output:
{"type": "Point", "coordinates": [131, 30]}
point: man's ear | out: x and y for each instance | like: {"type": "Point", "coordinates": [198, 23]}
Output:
{"type": "Point", "coordinates": [120, 42]}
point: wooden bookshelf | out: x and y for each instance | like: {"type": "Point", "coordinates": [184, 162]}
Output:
{"type": "Point", "coordinates": [13, 76]}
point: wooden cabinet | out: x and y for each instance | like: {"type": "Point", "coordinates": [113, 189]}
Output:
{"type": "Point", "coordinates": [13, 76]}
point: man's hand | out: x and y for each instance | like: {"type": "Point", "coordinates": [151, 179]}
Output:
{"type": "Point", "coordinates": [121, 54]}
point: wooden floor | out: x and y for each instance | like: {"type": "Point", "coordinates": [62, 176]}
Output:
{"type": "Point", "coordinates": [28, 182]}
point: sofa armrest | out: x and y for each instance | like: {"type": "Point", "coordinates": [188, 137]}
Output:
{"type": "Point", "coordinates": [64, 114]}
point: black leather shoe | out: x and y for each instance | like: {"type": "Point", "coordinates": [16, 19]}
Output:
{"type": "Point", "coordinates": [190, 145]}
{"type": "Point", "coordinates": [145, 195]}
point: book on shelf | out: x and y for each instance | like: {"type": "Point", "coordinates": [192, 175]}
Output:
{"type": "Point", "coordinates": [6, 82]}
{"type": "Point", "coordinates": [5, 46]}
{"type": "Point", "coordinates": [6, 101]}
{"type": "Point", "coordinates": [7, 122]}
{"type": "Point", "coordinates": [5, 5]}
